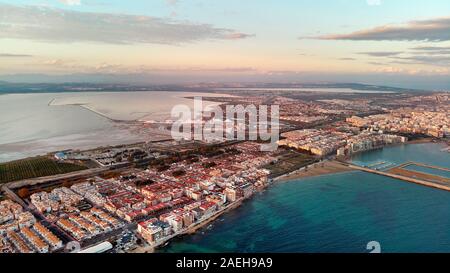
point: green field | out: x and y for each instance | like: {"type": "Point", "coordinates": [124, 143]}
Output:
{"type": "Point", "coordinates": [34, 167]}
{"type": "Point", "coordinates": [290, 161]}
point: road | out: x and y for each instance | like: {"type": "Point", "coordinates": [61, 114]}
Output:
{"type": "Point", "coordinates": [72, 175]}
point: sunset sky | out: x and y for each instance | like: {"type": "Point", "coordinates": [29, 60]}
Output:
{"type": "Point", "coordinates": [391, 42]}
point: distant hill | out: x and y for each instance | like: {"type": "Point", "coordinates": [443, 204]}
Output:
{"type": "Point", "coordinates": [7, 87]}
{"type": "Point", "coordinates": [11, 88]}
{"type": "Point", "coordinates": [353, 86]}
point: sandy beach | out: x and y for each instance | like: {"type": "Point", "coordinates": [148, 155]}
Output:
{"type": "Point", "coordinates": [420, 141]}
{"type": "Point", "coordinates": [317, 169]}
{"type": "Point", "coordinates": [331, 167]}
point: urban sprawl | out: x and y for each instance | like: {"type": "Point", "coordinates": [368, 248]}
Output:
{"type": "Point", "coordinates": [136, 198]}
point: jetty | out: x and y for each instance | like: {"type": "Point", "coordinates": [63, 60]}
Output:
{"type": "Point", "coordinates": [423, 165]}
{"type": "Point", "coordinates": [400, 173]}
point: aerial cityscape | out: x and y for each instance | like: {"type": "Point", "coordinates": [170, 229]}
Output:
{"type": "Point", "coordinates": [169, 127]}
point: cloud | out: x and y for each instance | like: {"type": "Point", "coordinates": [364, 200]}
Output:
{"type": "Point", "coordinates": [56, 25]}
{"type": "Point", "coordinates": [74, 66]}
{"type": "Point", "coordinates": [432, 50]}
{"type": "Point", "coordinates": [9, 55]}
{"type": "Point", "coordinates": [376, 63]}
{"type": "Point", "coordinates": [237, 36]}
{"type": "Point", "coordinates": [437, 30]}
{"type": "Point", "coordinates": [71, 2]}
{"type": "Point", "coordinates": [425, 55]}
{"type": "Point", "coordinates": [55, 62]}
{"type": "Point", "coordinates": [381, 53]}
{"type": "Point", "coordinates": [347, 59]}
{"type": "Point", "coordinates": [393, 70]}
{"type": "Point", "coordinates": [424, 59]}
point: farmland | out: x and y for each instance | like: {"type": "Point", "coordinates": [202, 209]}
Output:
{"type": "Point", "coordinates": [34, 167]}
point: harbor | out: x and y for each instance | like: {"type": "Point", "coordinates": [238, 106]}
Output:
{"type": "Point", "coordinates": [409, 176]}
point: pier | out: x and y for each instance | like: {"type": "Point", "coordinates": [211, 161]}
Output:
{"type": "Point", "coordinates": [380, 165]}
{"type": "Point", "coordinates": [437, 182]}
{"type": "Point", "coordinates": [423, 165]}
{"type": "Point", "coordinates": [374, 165]}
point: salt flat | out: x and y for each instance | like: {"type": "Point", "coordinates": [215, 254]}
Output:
{"type": "Point", "coordinates": [33, 124]}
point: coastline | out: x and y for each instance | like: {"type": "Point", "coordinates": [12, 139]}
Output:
{"type": "Point", "coordinates": [420, 141]}
{"type": "Point", "coordinates": [316, 169]}
{"type": "Point", "coordinates": [445, 142]}
{"type": "Point", "coordinates": [327, 167]}
{"type": "Point", "coordinates": [342, 196]}
{"type": "Point", "coordinates": [334, 167]}
{"type": "Point", "coordinates": [189, 230]}
{"type": "Point", "coordinates": [201, 225]}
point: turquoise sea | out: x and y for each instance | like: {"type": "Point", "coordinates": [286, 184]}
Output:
{"type": "Point", "coordinates": [337, 213]}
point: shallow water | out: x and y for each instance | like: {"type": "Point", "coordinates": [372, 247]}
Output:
{"type": "Point", "coordinates": [337, 213]}
{"type": "Point", "coordinates": [33, 124]}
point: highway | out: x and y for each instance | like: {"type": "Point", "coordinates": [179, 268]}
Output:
{"type": "Point", "coordinates": [59, 177]}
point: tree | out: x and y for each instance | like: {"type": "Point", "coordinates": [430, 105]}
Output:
{"type": "Point", "coordinates": [178, 173]}
{"type": "Point", "coordinates": [66, 184]}
{"type": "Point", "coordinates": [23, 193]}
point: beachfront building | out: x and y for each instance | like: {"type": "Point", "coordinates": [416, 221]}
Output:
{"type": "Point", "coordinates": [150, 231]}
